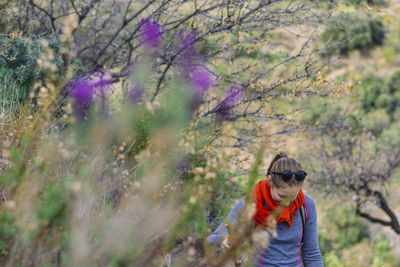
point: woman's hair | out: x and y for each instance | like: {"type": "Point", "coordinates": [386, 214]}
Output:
{"type": "Point", "coordinates": [280, 163]}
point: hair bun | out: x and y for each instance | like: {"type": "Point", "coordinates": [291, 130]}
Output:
{"type": "Point", "coordinates": [283, 155]}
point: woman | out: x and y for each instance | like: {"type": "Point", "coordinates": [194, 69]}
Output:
{"type": "Point", "coordinates": [280, 193]}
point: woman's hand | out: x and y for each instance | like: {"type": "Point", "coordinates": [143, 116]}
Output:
{"type": "Point", "coordinates": [225, 242]}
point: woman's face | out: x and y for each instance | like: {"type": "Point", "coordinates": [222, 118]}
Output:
{"type": "Point", "coordinates": [284, 194]}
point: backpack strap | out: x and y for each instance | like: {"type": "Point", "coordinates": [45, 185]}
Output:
{"type": "Point", "coordinates": [303, 220]}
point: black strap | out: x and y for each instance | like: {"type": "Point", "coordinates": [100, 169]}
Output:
{"type": "Point", "coordinates": [303, 220]}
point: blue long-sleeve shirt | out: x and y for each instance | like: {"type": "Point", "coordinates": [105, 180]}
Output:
{"type": "Point", "coordinates": [284, 249]}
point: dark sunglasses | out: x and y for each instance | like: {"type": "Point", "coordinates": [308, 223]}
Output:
{"type": "Point", "coordinates": [287, 175]}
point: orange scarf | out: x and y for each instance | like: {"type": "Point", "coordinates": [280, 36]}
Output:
{"type": "Point", "coordinates": [262, 193]}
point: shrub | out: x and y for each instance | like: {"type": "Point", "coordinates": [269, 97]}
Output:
{"type": "Point", "coordinates": [390, 54]}
{"type": "Point", "coordinates": [19, 67]}
{"type": "Point", "coordinates": [4, 6]}
{"type": "Point", "coordinates": [9, 90]}
{"type": "Point", "coordinates": [383, 101]}
{"type": "Point", "coordinates": [354, 32]}
{"type": "Point", "coordinates": [20, 55]}
{"type": "Point", "coordinates": [7, 230]}
{"type": "Point", "coordinates": [370, 89]}
{"type": "Point", "coordinates": [351, 229]}
{"type": "Point", "coordinates": [331, 259]}
{"type": "Point", "coordinates": [370, 2]}
{"type": "Point", "coordinates": [377, 120]}
{"type": "Point", "coordinates": [53, 208]}
{"type": "Point", "coordinates": [393, 82]}
{"type": "Point", "coordinates": [374, 93]}
{"type": "Point", "coordinates": [390, 136]}
{"type": "Point", "coordinates": [382, 253]}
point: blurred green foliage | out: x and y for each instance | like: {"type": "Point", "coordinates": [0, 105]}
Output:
{"type": "Point", "coordinates": [390, 54]}
{"type": "Point", "coordinates": [380, 100]}
{"type": "Point", "coordinates": [382, 254]}
{"type": "Point", "coordinates": [344, 230]}
{"type": "Point", "coordinates": [19, 70]}
{"type": "Point", "coordinates": [376, 121]}
{"type": "Point", "coordinates": [218, 207]}
{"type": "Point", "coordinates": [372, 87]}
{"type": "Point", "coordinates": [354, 31]}
{"type": "Point", "coordinates": [393, 85]}
{"type": "Point", "coordinates": [53, 207]}
{"type": "Point", "coordinates": [379, 254]}
{"type": "Point", "coordinates": [331, 259]}
{"type": "Point", "coordinates": [377, 100]}
{"type": "Point", "coordinates": [8, 230]}
{"type": "Point", "coordinates": [9, 90]}
{"type": "Point", "coordinates": [369, 2]}
{"type": "Point", "coordinates": [18, 64]}
{"type": "Point", "coordinates": [390, 135]}
{"type": "Point", "coordinates": [20, 55]}
{"type": "Point", "coordinates": [11, 177]}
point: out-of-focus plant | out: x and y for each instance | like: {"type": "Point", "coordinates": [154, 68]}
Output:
{"type": "Point", "coordinates": [382, 253]}
{"type": "Point", "coordinates": [4, 8]}
{"type": "Point", "coordinates": [354, 31]}
{"type": "Point", "coordinates": [353, 162]}
{"type": "Point", "coordinates": [342, 229]}
{"type": "Point", "coordinates": [108, 35]}
{"type": "Point", "coordinates": [22, 67]}
{"type": "Point", "coordinates": [369, 2]}
{"type": "Point", "coordinates": [394, 92]}
{"type": "Point", "coordinates": [371, 88]}
{"type": "Point", "coordinates": [356, 153]}
{"type": "Point", "coordinates": [343, 234]}
{"type": "Point", "coordinates": [164, 125]}
{"type": "Point", "coordinates": [9, 92]}
{"type": "Point", "coordinates": [99, 182]}
{"type": "Point", "coordinates": [379, 100]}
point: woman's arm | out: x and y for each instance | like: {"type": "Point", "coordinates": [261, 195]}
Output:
{"type": "Point", "coordinates": [312, 253]}
{"type": "Point", "coordinates": [221, 232]}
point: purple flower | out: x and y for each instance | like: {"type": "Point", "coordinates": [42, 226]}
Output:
{"type": "Point", "coordinates": [151, 33]}
{"type": "Point", "coordinates": [101, 81]}
{"type": "Point", "coordinates": [202, 78]}
{"type": "Point", "coordinates": [101, 178]}
{"type": "Point", "coordinates": [198, 75]}
{"type": "Point", "coordinates": [232, 98]}
{"type": "Point", "coordinates": [135, 95]}
{"type": "Point", "coordinates": [210, 219]}
{"type": "Point", "coordinates": [59, 124]}
{"type": "Point", "coordinates": [82, 93]}
{"type": "Point", "coordinates": [187, 41]}
{"type": "Point", "coordinates": [84, 89]}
